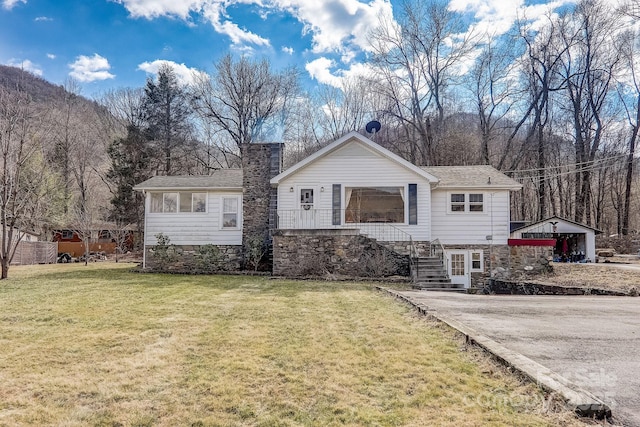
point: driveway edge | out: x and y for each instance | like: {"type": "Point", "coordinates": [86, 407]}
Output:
{"type": "Point", "coordinates": [580, 401]}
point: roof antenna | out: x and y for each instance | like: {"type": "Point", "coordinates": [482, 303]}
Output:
{"type": "Point", "coordinates": [373, 127]}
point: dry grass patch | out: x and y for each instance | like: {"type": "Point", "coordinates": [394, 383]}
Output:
{"type": "Point", "coordinates": [99, 345]}
{"type": "Point", "coordinates": [600, 276]}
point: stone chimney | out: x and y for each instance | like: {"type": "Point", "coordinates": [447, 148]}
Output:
{"type": "Point", "coordinates": [260, 163]}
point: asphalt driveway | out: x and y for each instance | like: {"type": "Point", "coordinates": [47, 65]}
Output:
{"type": "Point", "coordinates": [593, 341]}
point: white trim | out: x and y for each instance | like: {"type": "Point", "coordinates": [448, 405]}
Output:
{"type": "Point", "coordinates": [343, 141]}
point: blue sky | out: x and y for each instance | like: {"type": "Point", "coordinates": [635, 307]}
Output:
{"type": "Point", "coordinates": [107, 44]}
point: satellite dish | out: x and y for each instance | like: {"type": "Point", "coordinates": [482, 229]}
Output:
{"type": "Point", "coordinates": [373, 126]}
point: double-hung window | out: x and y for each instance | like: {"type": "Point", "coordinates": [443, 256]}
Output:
{"type": "Point", "coordinates": [230, 212]}
{"type": "Point", "coordinates": [466, 202]}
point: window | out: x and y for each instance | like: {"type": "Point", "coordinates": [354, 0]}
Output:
{"type": "Point", "coordinates": [466, 202]}
{"type": "Point", "coordinates": [457, 264]}
{"type": "Point", "coordinates": [457, 202]}
{"type": "Point", "coordinates": [67, 234]}
{"type": "Point", "coordinates": [169, 202]}
{"type": "Point", "coordinates": [476, 261]}
{"type": "Point", "coordinates": [306, 198]}
{"type": "Point", "coordinates": [178, 202]}
{"type": "Point", "coordinates": [476, 203]}
{"type": "Point", "coordinates": [193, 202]}
{"type": "Point", "coordinates": [230, 212]}
{"type": "Point", "coordinates": [375, 204]}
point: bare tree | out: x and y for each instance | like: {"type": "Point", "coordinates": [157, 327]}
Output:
{"type": "Point", "coordinates": [244, 98]}
{"type": "Point", "coordinates": [23, 179]}
{"type": "Point", "coordinates": [588, 65]}
{"type": "Point", "coordinates": [629, 94]}
{"type": "Point", "coordinates": [491, 86]}
{"type": "Point", "coordinates": [418, 59]}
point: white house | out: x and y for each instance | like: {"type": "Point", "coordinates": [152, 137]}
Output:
{"type": "Point", "coordinates": [357, 187]}
{"type": "Point", "coordinates": [194, 210]}
{"type": "Point", "coordinates": [355, 183]}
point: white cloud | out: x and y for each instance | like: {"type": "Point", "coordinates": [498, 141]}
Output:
{"type": "Point", "coordinates": [90, 68]}
{"type": "Point", "coordinates": [43, 19]}
{"type": "Point", "coordinates": [184, 74]}
{"type": "Point", "coordinates": [10, 4]}
{"type": "Point", "coordinates": [321, 70]}
{"type": "Point", "coordinates": [154, 8]}
{"type": "Point", "coordinates": [51, 56]}
{"type": "Point", "coordinates": [26, 65]}
{"type": "Point", "coordinates": [288, 50]}
{"type": "Point", "coordinates": [335, 25]}
{"type": "Point", "coordinates": [496, 17]}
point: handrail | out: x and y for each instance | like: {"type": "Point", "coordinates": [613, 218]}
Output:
{"type": "Point", "coordinates": [437, 250]}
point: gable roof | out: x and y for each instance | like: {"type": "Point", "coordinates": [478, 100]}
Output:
{"type": "Point", "coordinates": [229, 179]}
{"type": "Point", "coordinates": [478, 176]}
{"type": "Point", "coordinates": [344, 140]}
{"type": "Point", "coordinates": [546, 220]}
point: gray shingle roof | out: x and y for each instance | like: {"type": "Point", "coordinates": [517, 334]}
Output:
{"type": "Point", "coordinates": [222, 178]}
{"type": "Point", "coordinates": [471, 176]}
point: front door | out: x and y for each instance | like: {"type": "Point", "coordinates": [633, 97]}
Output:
{"type": "Point", "coordinates": [308, 203]}
{"type": "Point", "coordinates": [459, 268]}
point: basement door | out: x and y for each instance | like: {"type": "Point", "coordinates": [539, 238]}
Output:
{"type": "Point", "coordinates": [459, 267]}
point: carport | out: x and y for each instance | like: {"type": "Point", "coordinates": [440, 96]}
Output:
{"type": "Point", "coordinates": [575, 242]}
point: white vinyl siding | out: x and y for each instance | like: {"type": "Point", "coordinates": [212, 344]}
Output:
{"type": "Point", "coordinates": [471, 227]}
{"type": "Point", "coordinates": [195, 228]}
{"type": "Point", "coordinates": [355, 166]}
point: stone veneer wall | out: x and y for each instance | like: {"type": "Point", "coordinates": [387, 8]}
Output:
{"type": "Point", "coordinates": [184, 259]}
{"type": "Point", "coordinates": [299, 253]}
{"type": "Point", "coordinates": [260, 163]}
{"type": "Point", "coordinates": [503, 261]}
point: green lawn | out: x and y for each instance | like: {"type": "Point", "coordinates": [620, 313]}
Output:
{"type": "Point", "coordinates": [100, 345]}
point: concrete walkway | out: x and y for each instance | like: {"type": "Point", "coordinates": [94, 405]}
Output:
{"type": "Point", "coordinates": [594, 342]}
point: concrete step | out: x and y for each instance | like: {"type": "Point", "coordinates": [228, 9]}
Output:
{"type": "Point", "coordinates": [436, 284]}
{"type": "Point", "coordinates": [459, 290]}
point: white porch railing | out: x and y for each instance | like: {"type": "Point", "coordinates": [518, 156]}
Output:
{"type": "Point", "coordinates": [324, 219]}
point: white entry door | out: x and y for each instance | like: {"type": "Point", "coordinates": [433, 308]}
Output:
{"type": "Point", "coordinates": [459, 267]}
{"type": "Point", "coordinates": [308, 202]}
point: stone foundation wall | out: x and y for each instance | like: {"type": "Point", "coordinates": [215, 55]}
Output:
{"type": "Point", "coordinates": [526, 260]}
{"type": "Point", "coordinates": [502, 261]}
{"type": "Point", "coordinates": [300, 253]}
{"type": "Point", "coordinates": [194, 259]}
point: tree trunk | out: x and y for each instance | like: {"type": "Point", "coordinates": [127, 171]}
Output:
{"type": "Point", "coordinates": [629, 179]}
{"type": "Point", "coordinates": [5, 268]}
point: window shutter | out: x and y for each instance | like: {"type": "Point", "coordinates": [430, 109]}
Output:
{"type": "Point", "coordinates": [413, 204]}
{"type": "Point", "coordinates": [337, 197]}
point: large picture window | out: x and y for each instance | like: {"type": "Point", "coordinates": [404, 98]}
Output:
{"type": "Point", "coordinates": [375, 204]}
{"type": "Point", "coordinates": [183, 201]}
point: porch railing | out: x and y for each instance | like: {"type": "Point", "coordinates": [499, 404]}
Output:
{"type": "Point", "coordinates": [324, 219]}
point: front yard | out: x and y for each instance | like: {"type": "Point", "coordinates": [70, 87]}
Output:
{"type": "Point", "coordinates": [99, 345]}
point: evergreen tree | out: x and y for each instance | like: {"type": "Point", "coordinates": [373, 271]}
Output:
{"type": "Point", "coordinates": [166, 112]}
{"type": "Point", "coordinates": [130, 161]}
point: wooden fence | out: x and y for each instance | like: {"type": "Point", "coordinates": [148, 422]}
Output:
{"type": "Point", "coordinates": [36, 253]}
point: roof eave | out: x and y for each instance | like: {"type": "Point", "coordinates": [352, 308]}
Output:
{"type": "Point", "coordinates": [137, 188]}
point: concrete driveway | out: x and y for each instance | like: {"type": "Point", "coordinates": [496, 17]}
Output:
{"type": "Point", "coordinates": [593, 341]}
